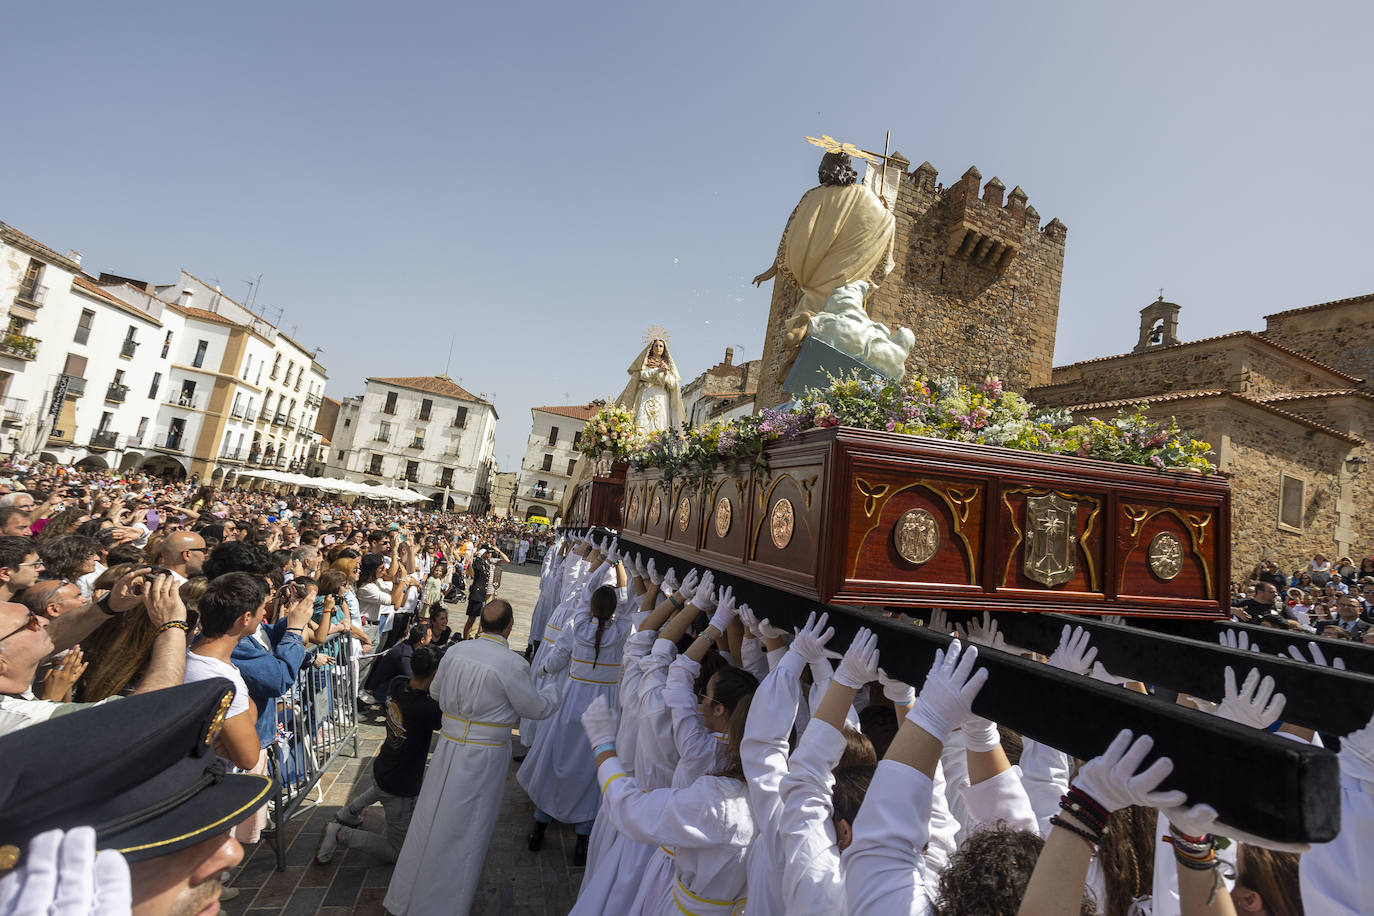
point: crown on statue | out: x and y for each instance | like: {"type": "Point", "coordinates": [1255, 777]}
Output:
{"type": "Point", "coordinates": [831, 145]}
{"type": "Point", "coordinates": [655, 332]}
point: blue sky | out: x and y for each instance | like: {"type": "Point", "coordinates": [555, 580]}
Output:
{"type": "Point", "coordinates": [539, 182]}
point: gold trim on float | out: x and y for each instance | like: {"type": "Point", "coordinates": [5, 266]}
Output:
{"type": "Point", "coordinates": [1196, 526]}
{"type": "Point", "coordinates": [1093, 584]}
{"type": "Point", "coordinates": [958, 501]}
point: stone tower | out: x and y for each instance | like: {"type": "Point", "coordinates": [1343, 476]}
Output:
{"type": "Point", "coordinates": [976, 278]}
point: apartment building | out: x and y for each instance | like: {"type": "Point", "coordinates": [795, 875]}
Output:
{"type": "Point", "coordinates": [551, 457]}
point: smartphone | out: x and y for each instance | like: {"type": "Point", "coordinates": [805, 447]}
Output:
{"type": "Point", "coordinates": [328, 540]}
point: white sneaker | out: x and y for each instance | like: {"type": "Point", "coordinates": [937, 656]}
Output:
{"type": "Point", "coordinates": [367, 698]}
{"type": "Point", "coordinates": [328, 843]}
{"type": "Point", "coordinates": [226, 892]}
{"type": "Point", "coordinates": [348, 818]}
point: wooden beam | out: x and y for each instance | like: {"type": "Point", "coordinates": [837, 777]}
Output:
{"type": "Point", "coordinates": [1279, 789]}
{"type": "Point", "coordinates": [1358, 656]}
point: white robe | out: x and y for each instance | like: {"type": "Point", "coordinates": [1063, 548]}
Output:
{"type": "Point", "coordinates": [708, 823]}
{"type": "Point", "coordinates": [482, 688]}
{"type": "Point", "coordinates": [884, 871]}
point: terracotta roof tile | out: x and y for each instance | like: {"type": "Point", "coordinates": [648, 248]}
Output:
{"type": "Point", "coordinates": [1334, 303]}
{"type": "Point", "coordinates": [89, 286]}
{"type": "Point", "coordinates": [432, 384]}
{"type": "Point", "coordinates": [1205, 340]}
{"type": "Point", "coordinates": [572, 411]}
{"type": "Point", "coordinates": [202, 314]}
{"type": "Point", "coordinates": [1316, 395]}
{"type": "Point", "coordinates": [1205, 393]}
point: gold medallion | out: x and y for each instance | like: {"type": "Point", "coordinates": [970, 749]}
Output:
{"type": "Point", "coordinates": [656, 510]}
{"type": "Point", "coordinates": [634, 505]}
{"type": "Point", "coordinates": [781, 522]}
{"type": "Point", "coordinates": [723, 517]}
{"type": "Point", "coordinates": [1166, 556]}
{"type": "Point", "coordinates": [684, 513]}
{"type": "Point", "coordinates": [916, 536]}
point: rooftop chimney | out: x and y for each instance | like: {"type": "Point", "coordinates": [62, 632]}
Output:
{"type": "Point", "coordinates": [184, 300]}
{"type": "Point", "coordinates": [75, 256]}
{"type": "Point", "coordinates": [729, 356]}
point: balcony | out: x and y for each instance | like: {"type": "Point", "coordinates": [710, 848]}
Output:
{"type": "Point", "coordinates": [104, 439]}
{"type": "Point", "coordinates": [279, 420]}
{"type": "Point", "coordinates": [545, 493]}
{"type": "Point", "coordinates": [423, 417]}
{"type": "Point", "coordinates": [236, 411]}
{"type": "Point", "coordinates": [382, 437]}
{"type": "Point", "coordinates": [231, 454]}
{"type": "Point", "coordinates": [13, 410]}
{"type": "Point", "coordinates": [188, 401]}
{"type": "Point", "coordinates": [32, 293]}
{"type": "Point", "coordinates": [128, 349]}
{"type": "Point", "coordinates": [443, 481]}
{"type": "Point", "coordinates": [19, 346]}
{"type": "Point", "coordinates": [171, 444]}
{"type": "Point", "coordinates": [250, 414]}
{"type": "Point", "coordinates": [417, 443]}
{"type": "Point", "coordinates": [76, 386]}
{"type": "Point", "coordinates": [255, 457]}
{"type": "Point", "coordinates": [116, 394]}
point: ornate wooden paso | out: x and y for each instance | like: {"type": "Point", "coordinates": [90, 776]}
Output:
{"type": "Point", "coordinates": [599, 500]}
{"type": "Point", "coordinates": [855, 516]}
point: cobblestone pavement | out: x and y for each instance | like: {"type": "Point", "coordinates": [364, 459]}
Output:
{"type": "Point", "coordinates": [515, 881]}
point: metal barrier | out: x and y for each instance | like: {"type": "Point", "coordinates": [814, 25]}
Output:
{"type": "Point", "coordinates": [315, 719]}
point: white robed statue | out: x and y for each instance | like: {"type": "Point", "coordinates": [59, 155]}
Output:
{"type": "Point", "coordinates": [652, 394]}
{"type": "Point", "coordinates": [483, 688]}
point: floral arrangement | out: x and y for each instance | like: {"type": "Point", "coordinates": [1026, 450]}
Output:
{"type": "Point", "coordinates": [609, 432]}
{"type": "Point", "coordinates": [940, 408]}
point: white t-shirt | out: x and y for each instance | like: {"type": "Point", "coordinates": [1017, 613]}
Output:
{"type": "Point", "coordinates": [202, 668]}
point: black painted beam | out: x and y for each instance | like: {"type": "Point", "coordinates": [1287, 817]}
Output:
{"type": "Point", "coordinates": [1325, 699]}
{"type": "Point", "coordinates": [1266, 785]}
{"type": "Point", "coordinates": [1357, 656]}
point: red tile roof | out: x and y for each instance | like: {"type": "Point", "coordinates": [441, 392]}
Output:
{"type": "Point", "coordinates": [572, 411]}
{"type": "Point", "coordinates": [1205, 393]}
{"type": "Point", "coordinates": [85, 284]}
{"type": "Point", "coordinates": [432, 384]}
{"type": "Point", "coordinates": [1260, 338]}
{"type": "Point", "coordinates": [1334, 303]}
{"type": "Point", "coordinates": [203, 315]}
{"type": "Point", "coordinates": [1316, 395]}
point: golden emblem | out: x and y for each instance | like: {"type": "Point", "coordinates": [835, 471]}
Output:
{"type": "Point", "coordinates": [1166, 556]}
{"type": "Point", "coordinates": [1051, 539]}
{"type": "Point", "coordinates": [723, 517]}
{"type": "Point", "coordinates": [684, 513]}
{"type": "Point", "coordinates": [217, 723]}
{"type": "Point", "coordinates": [781, 521]}
{"type": "Point", "coordinates": [634, 504]}
{"type": "Point", "coordinates": [656, 510]}
{"type": "Point", "coordinates": [9, 857]}
{"type": "Point", "coordinates": [916, 536]}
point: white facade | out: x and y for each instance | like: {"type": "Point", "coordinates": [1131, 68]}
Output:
{"type": "Point", "coordinates": [163, 378]}
{"type": "Point", "coordinates": [551, 458]}
{"type": "Point", "coordinates": [424, 432]}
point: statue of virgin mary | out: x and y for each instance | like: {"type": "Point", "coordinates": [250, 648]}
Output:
{"type": "Point", "coordinates": [652, 394]}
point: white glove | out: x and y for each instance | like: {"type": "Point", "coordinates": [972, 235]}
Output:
{"type": "Point", "coordinates": [983, 633]}
{"type": "Point", "coordinates": [1251, 704]}
{"type": "Point", "coordinates": [1075, 652]}
{"type": "Point", "coordinates": [946, 698]}
{"type": "Point", "coordinates": [1114, 779]}
{"type": "Point", "coordinates": [939, 622]}
{"type": "Point", "coordinates": [746, 617]}
{"type": "Point", "coordinates": [704, 596]}
{"type": "Point", "coordinates": [669, 582]}
{"type": "Point", "coordinates": [652, 572]}
{"type": "Point", "coordinates": [1239, 639]}
{"type": "Point", "coordinates": [1202, 819]}
{"type": "Point", "coordinates": [859, 667]}
{"type": "Point", "coordinates": [901, 694]}
{"type": "Point", "coordinates": [600, 722]}
{"type": "Point", "coordinates": [63, 874]}
{"type": "Point", "coordinates": [810, 641]}
{"type": "Point", "coordinates": [1115, 618]}
{"type": "Point", "coordinates": [1318, 657]}
{"type": "Point", "coordinates": [688, 588]}
{"type": "Point", "coordinates": [613, 552]}
{"type": "Point", "coordinates": [725, 609]}
{"type": "Point", "coordinates": [1100, 673]}
{"type": "Point", "coordinates": [637, 566]}
{"type": "Point", "coordinates": [980, 734]}
{"type": "Point", "coordinates": [768, 631]}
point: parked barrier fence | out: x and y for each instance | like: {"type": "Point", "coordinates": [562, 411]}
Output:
{"type": "Point", "coordinates": [315, 720]}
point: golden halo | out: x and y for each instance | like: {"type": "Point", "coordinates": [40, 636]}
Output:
{"type": "Point", "coordinates": [656, 332]}
{"type": "Point", "coordinates": [831, 145]}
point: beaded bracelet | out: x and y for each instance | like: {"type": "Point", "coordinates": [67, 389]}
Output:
{"type": "Point", "coordinates": [1084, 807]}
{"type": "Point", "coordinates": [1092, 839]}
{"type": "Point", "coordinates": [175, 625]}
{"type": "Point", "coordinates": [679, 605]}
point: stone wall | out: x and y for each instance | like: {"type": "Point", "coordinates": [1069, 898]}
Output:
{"type": "Point", "coordinates": [976, 278]}
{"type": "Point", "coordinates": [1340, 335]}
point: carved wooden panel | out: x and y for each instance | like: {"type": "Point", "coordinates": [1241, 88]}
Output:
{"type": "Point", "coordinates": [787, 504]}
{"type": "Point", "coordinates": [726, 532]}
{"type": "Point", "coordinates": [896, 519]}
{"type": "Point", "coordinates": [1167, 551]}
{"type": "Point", "coordinates": [685, 528]}
{"type": "Point", "coordinates": [1026, 543]}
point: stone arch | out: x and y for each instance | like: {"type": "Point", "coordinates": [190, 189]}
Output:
{"type": "Point", "coordinates": [48, 457]}
{"type": "Point", "coordinates": [130, 461]}
{"type": "Point", "coordinates": [532, 511]}
{"type": "Point", "coordinates": [164, 466]}
{"type": "Point", "coordinates": [92, 463]}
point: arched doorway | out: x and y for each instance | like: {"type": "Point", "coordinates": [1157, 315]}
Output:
{"type": "Point", "coordinates": [164, 466]}
{"type": "Point", "coordinates": [532, 511]}
{"type": "Point", "coordinates": [92, 463]}
{"type": "Point", "coordinates": [130, 461]}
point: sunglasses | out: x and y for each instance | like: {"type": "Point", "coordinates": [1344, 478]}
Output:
{"type": "Point", "coordinates": [33, 623]}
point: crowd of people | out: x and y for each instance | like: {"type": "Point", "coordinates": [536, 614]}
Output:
{"type": "Point", "coordinates": [125, 587]}
{"type": "Point", "coordinates": [708, 761]}
{"type": "Point", "coordinates": [1334, 600]}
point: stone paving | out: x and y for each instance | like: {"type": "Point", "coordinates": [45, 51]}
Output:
{"type": "Point", "coordinates": [515, 881]}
